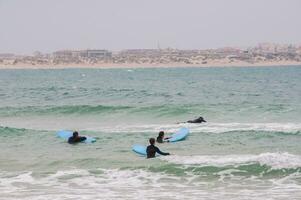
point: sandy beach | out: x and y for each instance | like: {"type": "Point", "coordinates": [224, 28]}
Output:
{"type": "Point", "coordinates": [220, 63]}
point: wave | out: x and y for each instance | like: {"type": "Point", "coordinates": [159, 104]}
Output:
{"type": "Point", "coordinates": [10, 130]}
{"type": "Point", "coordinates": [274, 160]}
{"type": "Point", "coordinates": [214, 128]}
{"type": "Point", "coordinates": [99, 184]}
{"type": "Point", "coordinates": [163, 110]}
{"type": "Point", "coordinates": [67, 109]}
{"type": "Point", "coordinates": [89, 109]}
{"type": "Point", "coordinates": [294, 128]}
{"type": "Point", "coordinates": [279, 128]}
{"type": "Point", "coordinates": [140, 184]}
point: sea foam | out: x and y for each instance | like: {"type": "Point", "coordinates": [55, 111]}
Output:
{"type": "Point", "coordinates": [138, 184]}
{"type": "Point", "coordinates": [273, 160]}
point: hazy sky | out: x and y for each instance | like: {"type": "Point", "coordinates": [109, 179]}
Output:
{"type": "Point", "coordinates": [49, 25]}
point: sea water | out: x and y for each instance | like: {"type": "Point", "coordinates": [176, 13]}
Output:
{"type": "Point", "coordinates": [250, 147]}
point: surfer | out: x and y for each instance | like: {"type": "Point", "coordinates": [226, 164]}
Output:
{"type": "Point", "coordinates": [75, 138]}
{"type": "Point", "coordinates": [160, 138]}
{"type": "Point", "coordinates": [151, 150]}
{"type": "Point", "coordinates": [198, 120]}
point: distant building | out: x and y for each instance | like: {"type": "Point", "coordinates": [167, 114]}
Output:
{"type": "Point", "coordinates": [64, 54]}
{"type": "Point", "coordinates": [85, 54]}
{"type": "Point", "coordinates": [98, 54]}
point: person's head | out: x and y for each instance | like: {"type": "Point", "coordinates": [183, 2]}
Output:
{"type": "Point", "coordinates": [152, 141]}
{"type": "Point", "coordinates": [202, 119]}
{"type": "Point", "coordinates": [75, 134]}
{"type": "Point", "coordinates": [161, 134]}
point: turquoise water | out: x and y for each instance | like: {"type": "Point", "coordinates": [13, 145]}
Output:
{"type": "Point", "coordinates": [249, 149]}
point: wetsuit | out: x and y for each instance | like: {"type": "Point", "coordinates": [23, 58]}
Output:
{"type": "Point", "coordinates": [73, 140]}
{"type": "Point", "coordinates": [160, 139]}
{"type": "Point", "coordinates": [151, 151]}
{"type": "Point", "coordinates": [198, 120]}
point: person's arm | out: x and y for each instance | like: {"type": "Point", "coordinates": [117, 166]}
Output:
{"type": "Point", "coordinates": [70, 140]}
{"type": "Point", "coordinates": [82, 139]}
{"type": "Point", "coordinates": [160, 152]}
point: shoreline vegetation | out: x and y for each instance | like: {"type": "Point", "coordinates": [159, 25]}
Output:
{"type": "Point", "coordinates": [264, 54]}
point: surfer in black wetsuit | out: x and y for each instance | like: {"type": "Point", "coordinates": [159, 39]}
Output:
{"type": "Point", "coordinates": [75, 138]}
{"type": "Point", "coordinates": [198, 120]}
{"type": "Point", "coordinates": [151, 150]}
{"type": "Point", "coordinates": [160, 138]}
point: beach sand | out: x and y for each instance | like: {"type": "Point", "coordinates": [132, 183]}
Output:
{"type": "Point", "coordinates": [214, 63]}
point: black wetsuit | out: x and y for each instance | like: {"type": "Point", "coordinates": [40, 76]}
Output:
{"type": "Point", "coordinates": [198, 120]}
{"type": "Point", "coordinates": [151, 151]}
{"type": "Point", "coordinates": [73, 140]}
{"type": "Point", "coordinates": [160, 139]}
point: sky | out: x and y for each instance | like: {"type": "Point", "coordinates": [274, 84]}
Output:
{"type": "Point", "coordinates": [49, 25]}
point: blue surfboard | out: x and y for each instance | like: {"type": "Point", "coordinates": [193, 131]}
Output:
{"type": "Point", "coordinates": [67, 134]}
{"type": "Point", "coordinates": [179, 135]}
{"type": "Point", "coordinates": [140, 149]}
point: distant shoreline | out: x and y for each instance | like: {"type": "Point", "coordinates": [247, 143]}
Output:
{"type": "Point", "coordinates": [135, 65]}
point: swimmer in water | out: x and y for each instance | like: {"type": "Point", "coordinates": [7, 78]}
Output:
{"type": "Point", "coordinates": [75, 138]}
{"type": "Point", "coordinates": [151, 150]}
{"type": "Point", "coordinates": [161, 139]}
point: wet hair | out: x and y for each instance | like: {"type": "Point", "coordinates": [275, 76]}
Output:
{"type": "Point", "coordinates": [202, 119]}
{"type": "Point", "coordinates": [152, 140]}
{"type": "Point", "coordinates": [161, 133]}
{"type": "Point", "coordinates": [75, 133]}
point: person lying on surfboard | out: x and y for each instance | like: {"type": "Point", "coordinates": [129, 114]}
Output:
{"type": "Point", "coordinates": [75, 138]}
{"type": "Point", "coordinates": [161, 139]}
{"type": "Point", "coordinates": [198, 120]}
{"type": "Point", "coordinates": [151, 150]}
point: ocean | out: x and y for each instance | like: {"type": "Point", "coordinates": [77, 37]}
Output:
{"type": "Point", "coordinates": [250, 147]}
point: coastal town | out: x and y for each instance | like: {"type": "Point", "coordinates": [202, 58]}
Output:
{"type": "Point", "coordinates": [261, 54]}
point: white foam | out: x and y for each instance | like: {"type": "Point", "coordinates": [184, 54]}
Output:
{"type": "Point", "coordinates": [110, 184]}
{"type": "Point", "coordinates": [226, 127]}
{"type": "Point", "coordinates": [123, 127]}
{"type": "Point", "coordinates": [207, 127]}
{"type": "Point", "coordinates": [137, 184]}
{"type": "Point", "coordinates": [274, 160]}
